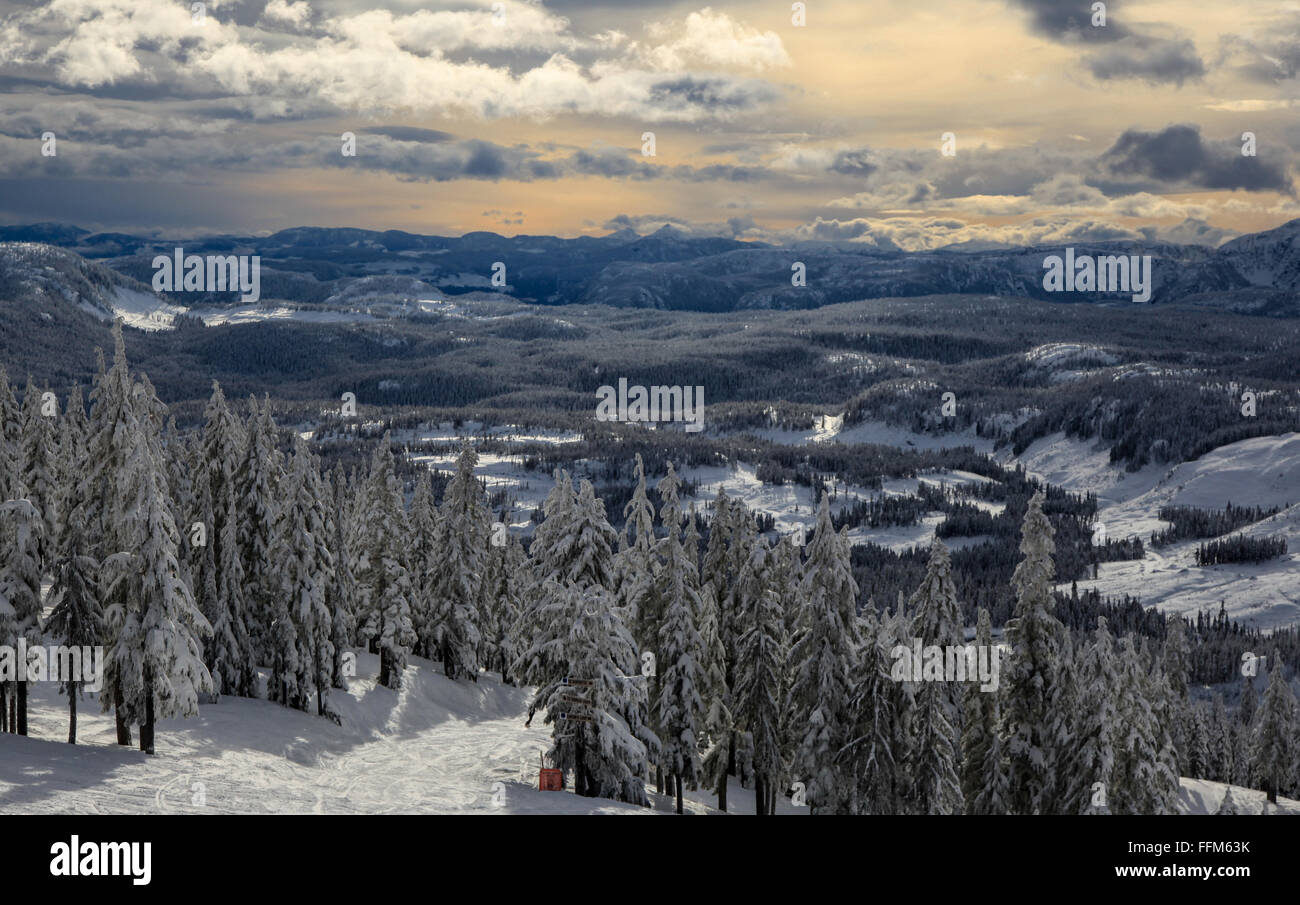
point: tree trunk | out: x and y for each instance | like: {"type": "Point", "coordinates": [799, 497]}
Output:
{"type": "Point", "coordinates": [722, 791]}
{"type": "Point", "coordinates": [123, 728]}
{"type": "Point", "coordinates": [679, 793]}
{"type": "Point", "coordinates": [13, 703]}
{"type": "Point", "coordinates": [731, 753]}
{"type": "Point", "coordinates": [21, 698]}
{"type": "Point", "coordinates": [146, 727]}
{"type": "Point", "coordinates": [760, 792]}
{"type": "Point", "coordinates": [659, 779]}
{"type": "Point", "coordinates": [383, 668]}
{"type": "Point", "coordinates": [72, 713]}
{"type": "Point", "coordinates": [4, 707]}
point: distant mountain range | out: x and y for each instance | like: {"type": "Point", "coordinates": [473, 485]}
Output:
{"type": "Point", "coordinates": [668, 269]}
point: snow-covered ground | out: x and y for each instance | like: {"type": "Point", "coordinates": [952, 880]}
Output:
{"type": "Point", "coordinates": [1262, 471]}
{"type": "Point", "coordinates": [142, 310]}
{"type": "Point", "coordinates": [437, 746]}
{"type": "Point", "coordinates": [828, 428]}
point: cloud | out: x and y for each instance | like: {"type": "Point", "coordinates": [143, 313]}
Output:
{"type": "Point", "coordinates": [711, 39]}
{"type": "Point", "coordinates": [288, 12]}
{"type": "Point", "coordinates": [1270, 55]}
{"type": "Point", "coordinates": [1176, 156]}
{"type": "Point", "coordinates": [523, 63]}
{"type": "Point", "coordinates": [1064, 20]}
{"type": "Point", "coordinates": [1125, 51]}
{"type": "Point", "coordinates": [410, 133]}
{"type": "Point", "coordinates": [1155, 60]}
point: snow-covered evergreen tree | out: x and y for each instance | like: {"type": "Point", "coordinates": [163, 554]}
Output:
{"type": "Point", "coordinates": [388, 619]}
{"type": "Point", "coordinates": [112, 429]}
{"type": "Point", "coordinates": [1035, 637]}
{"type": "Point", "coordinates": [40, 468]}
{"type": "Point", "coordinates": [759, 686]}
{"type": "Point", "coordinates": [984, 779]}
{"type": "Point", "coordinates": [456, 582]}
{"type": "Point", "coordinates": [230, 649]}
{"type": "Point", "coordinates": [679, 709]}
{"type": "Point", "coordinates": [76, 608]}
{"type": "Point", "coordinates": [156, 654]}
{"type": "Point", "coordinates": [1219, 741]}
{"type": "Point", "coordinates": [307, 565]}
{"type": "Point", "coordinates": [936, 721]}
{"type": "Point", "coordinates": [872, 768]}
{"type": "Point", "coordinates": [343, 588]}
{"type": "Point", "coordinates": [256, 486]}
{"type": "Point", "coordinates": [1175, 669]}
{"type": "Point", "coordinates": [422, 555]}
{"type": "Point", "coordinates": [1141, 778]}
{"type": "Point", "coordinates": [74, 433]}
{"type": "Point", "coordinates": [1275, 734]}
{"type": "Point", "coordinates": [719, 724]}
{"type": "Point", "coordinates": [1092, 760]}
{"type": "Point", "coordinates": [587, 707]}
{"type": "Point", "coordinates": [824, 658]}
{"type": "Point", "coordinates": [573, 629]}
{"type": "Point", "coordinates": [508, 588]}
{"type": "Point", "coordinates": [637, 562]}
{"type": "Point", "coordinates": [20, 584]}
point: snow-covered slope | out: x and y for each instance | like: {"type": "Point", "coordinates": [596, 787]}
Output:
{"type": "Point", "coordinates": [1261, 471]}
{"type": "Point", "coordinates": [437, 746]}
{"type": "Point", "coordinates": [45, 275]}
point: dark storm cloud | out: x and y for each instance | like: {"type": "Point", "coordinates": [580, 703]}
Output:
{"type": "Point", "coordinates": [1127, 52]}
{"type": "Point", "coordinates": [1155, 60]}
{"type": "Point", "coordinates": [1069, 19]}
{"type": "Point", "coordinates": [1177, 156]}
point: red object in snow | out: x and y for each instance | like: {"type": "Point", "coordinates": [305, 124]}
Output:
{"type": "Point", "coordinates": [550, 780]}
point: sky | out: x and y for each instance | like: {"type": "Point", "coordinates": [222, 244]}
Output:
{"type": "Point", "coordinates": [770, 120]}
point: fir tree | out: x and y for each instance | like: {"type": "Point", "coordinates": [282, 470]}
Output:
{"type": "Point", "coordinates": [307, 565]}
{"type": "Point", "coordinates": [762, 652]}
{"type": "Point", "coordinates": [679, 708]}
{"type": "Point", "coordinates": [984, 780]}
{"type": "Point", "coordinates": [156, 654]}
{"type": "Point", "coordinates": [40, 468]}
{"type": "Point", "coordinates": [936, 620]}
{"type": "Point", "coordinates": [256, 485]}
{"type": "Point", "coordinates": [1093, 760]}
{"type": "Point", "coordinates": [1275, 734]}
{"type": "Point", "coordinates": [1035, 637]}
{"type": "Point", "coordinates": [824, 658]}
{"type": "Point", "coordinates": [388, 619]}
{"type": "Point", "coordinates": [872, 767]}
{"type": "Point", "coordinates": [20, 587]}
{"type": "Point", "coordinates": [76, 609]}
{"type": "Point", "coordinates": [462, 544]}
{"type": "Point", "coordinates": [343, 588]}
{"type": "Point", "coordinates": [423, 521]}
